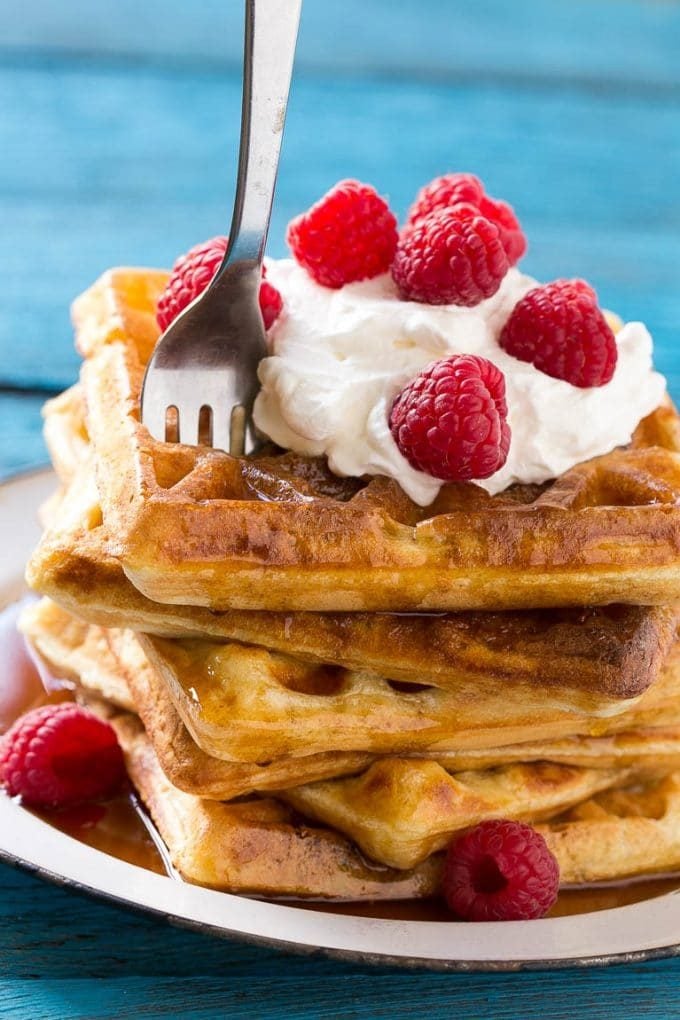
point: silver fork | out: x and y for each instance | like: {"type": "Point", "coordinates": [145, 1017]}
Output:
{"type": "Point", "coordinates": [204, 368]}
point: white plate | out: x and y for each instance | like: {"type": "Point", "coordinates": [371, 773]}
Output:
{"type": "Point", "coordinates": [635, 932]}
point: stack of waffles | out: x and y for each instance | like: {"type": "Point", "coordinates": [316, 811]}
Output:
{"type": "Point", "coordinates": [317, 683]}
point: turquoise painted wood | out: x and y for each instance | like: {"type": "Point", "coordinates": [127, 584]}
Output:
{"type": "Point", "coordinates": [632, 42]}
{"type": "Point", "coordinates": [65, 956]}
{"type": "Point", "coordinates": [133, 165]}
{"type": "Point", "coordinates": [117, 145]}
{"type": "Point", "coordinates": [21, 430]}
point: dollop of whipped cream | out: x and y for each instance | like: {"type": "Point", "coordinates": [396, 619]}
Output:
{"type": "Point", "coordinates": [339, 358]}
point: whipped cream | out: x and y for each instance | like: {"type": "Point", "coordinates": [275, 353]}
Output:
{"type": "Point", "coordinates": [339, 358]}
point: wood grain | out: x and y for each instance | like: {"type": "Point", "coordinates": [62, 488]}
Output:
{"type": "Point", "coordinates": [21, 442]}
{"type": "Point", "coordinates": [68, 956]}
{"type": "Point", "coordinates": [629, 42]}
{"type": "Point", "coordinates": [135, 164]}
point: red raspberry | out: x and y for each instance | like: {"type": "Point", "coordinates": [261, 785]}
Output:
{"type": "Point", "coordinates": [451, 420]}
{"type": "Point", "coordinates": [453, 256]}
{"type": "Point", "coordinates": [500, 871]}
{"type": "Point", "coordinates": [451, 189]}
{"type": "Point", "coordinates": [191, 274]}
{"type": "Point", "coordinates": [60, 755]}
{"type": "Point", "coordinates": [348, 235]}
{"type": "Point", "coordinates": [512, 236]}
{"type": "Point", "coordinates": [445, 191]}
{"type": "Point", "coordinates": [559, 329]}
{"type": "Point", "coordinates": [271, 302]}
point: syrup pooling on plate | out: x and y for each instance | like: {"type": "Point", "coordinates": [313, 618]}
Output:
{"type": "Point", "coordinates": [20, 685]}
{"type": "Point", "coordinates": [116, 828]}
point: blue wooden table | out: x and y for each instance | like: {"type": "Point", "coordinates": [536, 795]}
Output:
{"type": "Point", "coordinates": [118, 133]}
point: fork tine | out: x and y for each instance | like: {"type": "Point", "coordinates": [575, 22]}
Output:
{"type": "Point", "coordinates": [220, 427]}
{"type": "Point", "coordinates": [188, 423]}
{"type": "Point", "coordinates": [210, 351]}
{"type": "Point", "coordinates": [154, 417]}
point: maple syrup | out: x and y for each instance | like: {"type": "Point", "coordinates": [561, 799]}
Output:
{"type": "Point", "coordinates": [583, 900]}
{"type": "Point", "coordinates": [117, 827]}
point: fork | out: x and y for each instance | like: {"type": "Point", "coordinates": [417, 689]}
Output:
{"type": "Point", "coordinates": [204, 369]}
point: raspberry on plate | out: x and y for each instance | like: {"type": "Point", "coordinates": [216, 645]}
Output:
{"type": "Point", "coordinates": [500, 871]}
{"type": "Point", "coordinates": [559, 328]}
{"type": "Point", "coordinates": [453, 256]}
{"type": "Point", "coordinates": [60, 755]}
{"type": "Point", "coordinates": [451, 420]}
{"type": "Point", "coordinates": [348, 235]}
{"type": "Point", "coordinates": [451, 189]}
{"type": "Point", "coordinates": [191, 274]}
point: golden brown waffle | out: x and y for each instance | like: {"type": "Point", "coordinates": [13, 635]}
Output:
{"type": "Point", "coordinates": [244, 703]}
{"type": "Point", "coordinates": [619, 834]}
{"type": "Point", "coordinates": [75, 652]}
{"type": "Point", "coordinates": [207, 840]}
{"type": "Point", "coordinates": [65, 433]}
{"type": "Point", "coordinates": [522, 663]}
{"type": "Point", "coordinates": [607, 655]}
{"type": "Point", "coordinates": [194, 526]}
{"type": "Point", "coordinates": [113, 665]}
{"type": "Point", "coordinates": [400, 811]}
{"type": "Point", "coordinates": [616, 835]}
{"type": "Point", "coordinates": [258, 846]}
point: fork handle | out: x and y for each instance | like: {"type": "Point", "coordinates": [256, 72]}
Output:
{"type": "Point", "coordinates": [270, 37]}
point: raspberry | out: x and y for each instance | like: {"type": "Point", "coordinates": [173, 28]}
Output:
{"type": "Point", "coordinates": [451, 420]}
{"type": "Point", "coordinates": [512, 236]}
{"type": "Point", "coordinates": [191, 274]}
{"type": "Point", "coordinates": [500, 871]}
{"type": "Point", "coordinates": [348, 235]}
{"type": "Point", "coordinates": [453, 256]}
{"type": "Point", "coordinates": [60, 755]}
{"type": "Point", "coordinates": [271, 302]}
{"type": "Point", "coordinates": [451, 189]}
{"type": "Point", "coordinates": [445, 191]}
{"type": "Point", "coordinates": [559, 329]}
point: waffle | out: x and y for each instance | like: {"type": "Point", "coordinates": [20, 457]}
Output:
{"type": "Point", "coordinates": [591, 659]}
{"type": "Point", "coordinates": [193, 526]}
{"type": "Point", "coordinates": [283, 751]}
{"type": "Point", "coordinates": [420, 804]}
{"type": "Point", "coordinates": [258, 846]}
{"type": "Point", "coordinates": [440, 803]}
{"type": "Point", "coordinates": [399, 812]}
{"type": "Point", "coordinates": [243, 703]}
{"type": "Point", "coordinates": [475, 663]}
{"type": "Point", "coordinates": [619, 834]}
{"type": "Point", "coordinates": [112, 664]}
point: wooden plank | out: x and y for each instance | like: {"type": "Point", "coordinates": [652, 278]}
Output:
{"type": "Point", "coordinates": [134, 166]}
{"type": "Point", "coordinates": [74, 957]}
{"type": "Point", "coordinates": [21, 442]}
{"type": "Point", "coordinates": [589, 41]}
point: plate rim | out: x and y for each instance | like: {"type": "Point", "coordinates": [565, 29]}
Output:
{"type": "Point", "coordinates": [549, 932]}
